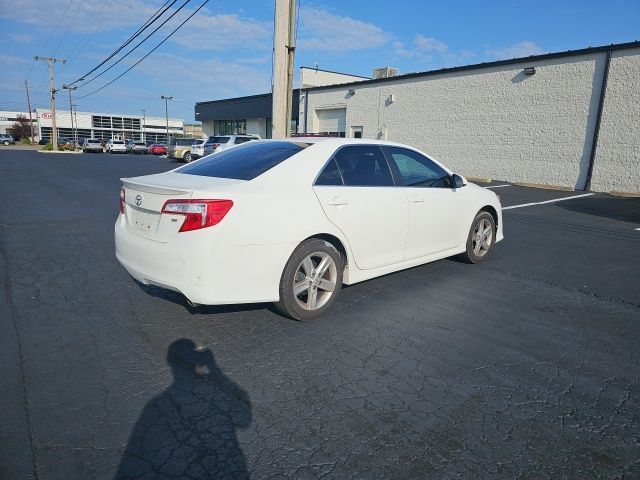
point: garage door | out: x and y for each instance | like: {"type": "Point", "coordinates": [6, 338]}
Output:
{"type": "Point", "coordinates": [332, 120]}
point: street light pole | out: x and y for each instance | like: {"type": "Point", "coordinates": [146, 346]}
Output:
{"type": "Point", "coordinates": [144, 121]}
{"type": "Point", "coordinates": [73, 130]}
{"type": "Point", "coordinates": [75, 117]}
{"type": "Point", "coordinates": [166, 112]}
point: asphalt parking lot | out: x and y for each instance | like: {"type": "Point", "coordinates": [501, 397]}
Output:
{"type": "Point", "coordinates": [525, 366]}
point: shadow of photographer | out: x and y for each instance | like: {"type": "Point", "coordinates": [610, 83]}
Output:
{"type": "Point", "coordinates": [189, 430]}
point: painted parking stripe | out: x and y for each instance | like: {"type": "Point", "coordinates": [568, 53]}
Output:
{"type": "Point", "coordinates": [547, 201]}
{"type": "Point", "coordinates": [498, 186]}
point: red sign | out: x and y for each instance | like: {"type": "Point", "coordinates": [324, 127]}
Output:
{"type": "Point", "coordinates": [45, 115]}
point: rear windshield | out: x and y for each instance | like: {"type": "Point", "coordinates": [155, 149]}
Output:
{"type": "Point", "coordinates": [117, 142]}
{"type": "Point", "coordinates": [244, 162]}
{"type": "Point", "coordinates": [93, 140]}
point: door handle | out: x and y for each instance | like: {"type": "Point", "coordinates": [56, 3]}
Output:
{"type": "Point", "coordinates": [337, 201]}
{"type": "Point", "coordinates": [417, 199]}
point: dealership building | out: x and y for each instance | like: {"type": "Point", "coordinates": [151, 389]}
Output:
{"type": "Point", "coordinates": [568, 119]}
{"type": "Point", "coordinates": [96, 125]}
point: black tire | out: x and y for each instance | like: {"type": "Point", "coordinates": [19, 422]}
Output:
{"type": "Point", "coordinates": [290, 304]}
{"type": "Point", "coordinates": [187, 157]}
{"type": "Point", "coordinates": [6, 144]}
{"type": "Point", "coordinates": [477, 253]}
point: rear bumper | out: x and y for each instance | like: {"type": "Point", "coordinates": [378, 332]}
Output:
{"type": "Point", "coordinates": [199, 265]}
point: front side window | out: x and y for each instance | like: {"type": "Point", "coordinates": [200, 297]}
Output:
{"type": "Point", "coordinates": [417, 170]}
{"type": "Point", "coordinates": [363, 166]}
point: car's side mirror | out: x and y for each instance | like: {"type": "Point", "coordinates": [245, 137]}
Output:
{"type": "Point", "coordinates": [457, 181]}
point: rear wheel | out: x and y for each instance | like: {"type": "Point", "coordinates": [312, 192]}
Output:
{"type": "Point", "coordinates": [481, 238]}
{"type": "Point", "coordinates": [187, 157]}
{"type": "Point", "coordinates": [6, 143]}
{"type": "Point", "coordinates": [311, 280]}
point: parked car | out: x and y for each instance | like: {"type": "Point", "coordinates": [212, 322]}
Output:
{"type": "Point", "coordinates": [303, 216]}
{"type": "Point", "coordinates": [92, 145]}
{"type": "Point", "coordinates": [116, 146]}
{"type": "Point", "coordinates": [138, 147]}
{"type": "Point", "coordinates": [180, 148]}
{"type": "Point", "coordinates": [218, 143]}
{"type": "Point", "coordinates": [157, 149]}
{"type": "Point", "coordinates": [6, 139]}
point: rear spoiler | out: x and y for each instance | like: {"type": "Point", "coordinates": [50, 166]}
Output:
{"type": "Point", "coordinates": [159, 189]}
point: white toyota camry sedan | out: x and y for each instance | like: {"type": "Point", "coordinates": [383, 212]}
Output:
{"type": "Point", "coordinates": [291, 221]}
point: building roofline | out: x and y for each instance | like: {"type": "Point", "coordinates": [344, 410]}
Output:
{"type": "Point", "coordinates": [333, 71]}
{"type": "Point", "coordinates": [497, 63]}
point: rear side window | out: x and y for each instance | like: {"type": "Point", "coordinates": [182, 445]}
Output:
{"type": "Point", "coordinates": [245, 162]}
{"type": "Point", "coordinates": [363, 166]}
{"type": "Point", "coordinates": [330, 175]}
{"type": "Point", "coordinates": [417, 170]}
{"type": "Point", "coordinates": [219, 139]}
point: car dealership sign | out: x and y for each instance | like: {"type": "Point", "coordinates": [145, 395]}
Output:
{"type": "Point", "coordinates": [45, 115]}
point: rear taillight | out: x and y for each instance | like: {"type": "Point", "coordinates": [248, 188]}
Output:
{"type": "Point", "coordinates": [198, 213]}
{"type": "Point", "coordinates": [122, 200]}
{"type": "Point", "coordinates": [215, 145]}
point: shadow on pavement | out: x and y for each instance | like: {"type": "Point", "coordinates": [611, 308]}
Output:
{"type": "Point", "coordinates": [189, 430]}
{"type": "Point", "coordinates": [615, 208]}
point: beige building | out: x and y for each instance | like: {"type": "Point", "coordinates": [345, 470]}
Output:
{"type": "Point", "coordinates": [568, 119]}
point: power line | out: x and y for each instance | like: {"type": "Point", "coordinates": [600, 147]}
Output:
{"type": "Point", "coordinates": [64, 35]}
{"type": "Point", "coordinates": [151, 20]}
{"type": "Point", "coordinates": [150, 52]}
{"type": "Point", "coordinates": [139, 43]}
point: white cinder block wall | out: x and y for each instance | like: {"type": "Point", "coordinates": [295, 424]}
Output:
{"type": "Point", "coordinates": [617, 163]}
{"type": "Point", "coordinates": [497, 121]}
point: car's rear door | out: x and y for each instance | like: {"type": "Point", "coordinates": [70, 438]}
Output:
{"type": "Point", "coordinates": [435, 209]}
{"type": "Point", "coordinates": [358, 195]}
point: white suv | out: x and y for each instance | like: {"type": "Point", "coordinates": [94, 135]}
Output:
{"type": "Point", "coordinates": [218, 143]}
{"type": "Point", "coordinates": [116, 146]}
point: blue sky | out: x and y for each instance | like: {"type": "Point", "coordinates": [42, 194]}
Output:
{"type": "Point", "coordinates": [225, 50]}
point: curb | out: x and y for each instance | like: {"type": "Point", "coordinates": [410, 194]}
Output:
{"type": "Point", "coordinates": [625, 194]}
{"type": "Point", "coordinates": [544, 186]}
{"type": "Point", "coordinates": [478, 179]}
{"type": "Point", "coordinates": [58, 151]}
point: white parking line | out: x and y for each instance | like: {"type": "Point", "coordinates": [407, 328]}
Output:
{"type": "Point", "coordinates": [547, 201]}
{"type": "Point", "coordinates": [498, 186]}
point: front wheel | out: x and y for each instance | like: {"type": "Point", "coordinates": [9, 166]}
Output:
{"type": "Point", "coordinates": [481, 238]}
{"type": "Point", "coordinates": [187, 157]}
{"type": "Point", "coordinates": [311, 280]}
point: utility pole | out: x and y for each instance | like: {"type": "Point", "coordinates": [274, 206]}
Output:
{"type": "Point", "coordinates": [144, 121]}
{"type": "Point", "coordinates": [75, 136]}
{"type": "Point", "coordinates": [26, 87]}
{"type": "Point", "coordinates": [166, 113]}
{"type": "Point", "coordinates": [284, 46]}
{"type": "Point", "coordinates": [51, 61]}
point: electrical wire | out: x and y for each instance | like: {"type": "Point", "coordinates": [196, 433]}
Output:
{"type": "Point", "coordinates": [87, 37]}
{"type": "Point", "coordinates": [134, 48]}
{"type": "Point", "coordinates": [151, 20]}
{"type": "Point", "coordinates": [149, 53]}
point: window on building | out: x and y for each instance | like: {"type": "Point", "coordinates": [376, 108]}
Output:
{"type": "Point", "coordinates": [230, 127]}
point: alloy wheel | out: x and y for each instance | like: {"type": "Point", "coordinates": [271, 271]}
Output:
{"type": "Point", "coordinates": [482, 237]}
{"type": "Point", "coordinates": [315, 281]}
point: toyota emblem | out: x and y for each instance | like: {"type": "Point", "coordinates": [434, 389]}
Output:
{"type": "Point", "coordinates": [138, 200]}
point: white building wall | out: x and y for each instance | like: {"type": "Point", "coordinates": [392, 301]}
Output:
{"type": "Point", "coordinates": [494, 122]}
{"type": "Point", "coordinates": [617, 162]}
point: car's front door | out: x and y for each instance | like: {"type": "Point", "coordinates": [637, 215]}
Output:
{"type": "Point", "coordinates": [358, 195]}
{"type": "Point", "coordinates": [435, 208]}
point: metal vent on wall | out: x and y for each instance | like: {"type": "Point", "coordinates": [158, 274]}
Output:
{"type": "Point", "coordinates": [385, 72]}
